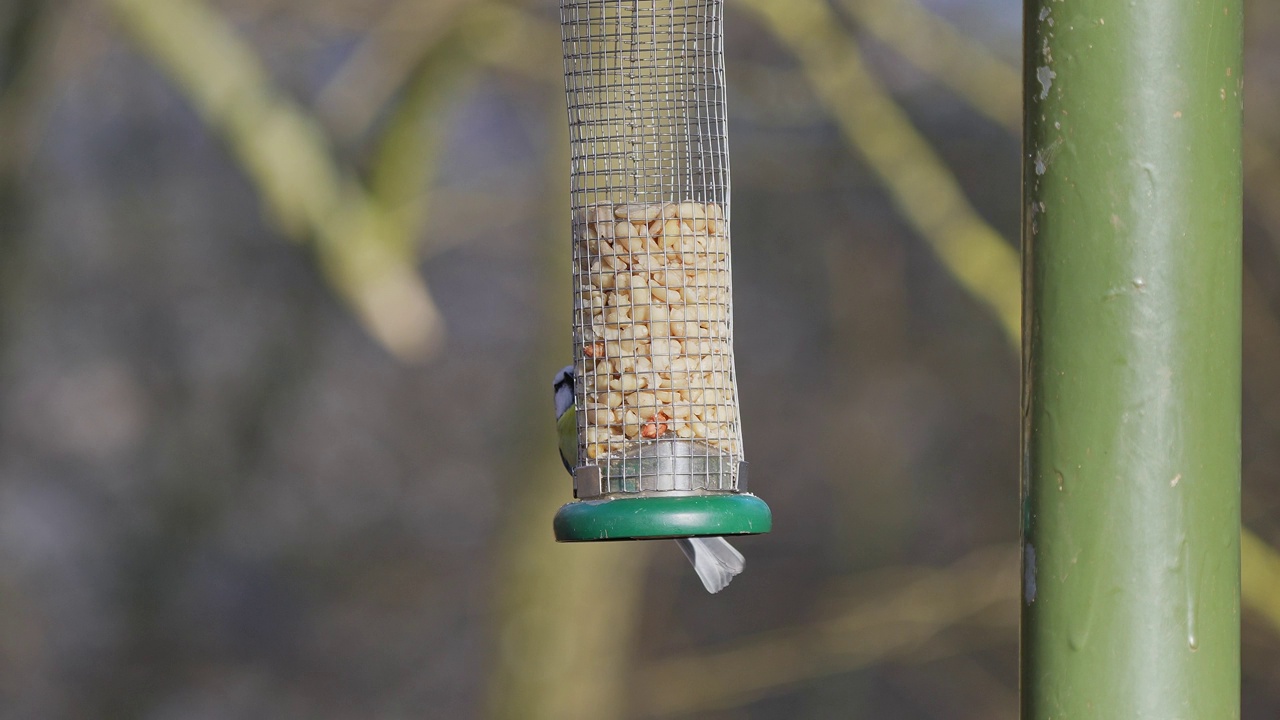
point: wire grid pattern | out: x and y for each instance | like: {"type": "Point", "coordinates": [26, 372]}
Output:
{"type": "Point", "coordinates": [656, 391]}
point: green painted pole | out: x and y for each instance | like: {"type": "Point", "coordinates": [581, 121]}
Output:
{"type": "Point", "coordinates": [1131, 360]}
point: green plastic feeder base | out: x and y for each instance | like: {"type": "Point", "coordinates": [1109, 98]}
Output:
{"type": "Point", "coordinates": [650, 518]}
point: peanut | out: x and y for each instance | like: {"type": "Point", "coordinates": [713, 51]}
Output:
{"type": "Point", "coordinates": [600, 214]}
{"type": "Point", "coordinates": [691, 210]}
{"type": "Point", "coordinates": [599, 415]}
{"type": "Point", "coordinates": [627, 382]}
{"type": "Point", "coordinates": [631, 424]}
{"type": "Point", "coordinates": [656, 358]}
{"type": "Point", "coordinates": [641, 212]}
{"type": "Point", "coordinates": [653, 429]}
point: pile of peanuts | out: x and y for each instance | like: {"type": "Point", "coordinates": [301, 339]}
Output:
{"type": "Point", "coordinates": [653, 310]}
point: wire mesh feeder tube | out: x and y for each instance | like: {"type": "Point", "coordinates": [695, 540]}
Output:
{"type": "Point", "coordinates": [659, 450]}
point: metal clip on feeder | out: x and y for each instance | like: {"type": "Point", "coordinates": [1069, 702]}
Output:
{"type": "Point", "coordinates": [659, 433]}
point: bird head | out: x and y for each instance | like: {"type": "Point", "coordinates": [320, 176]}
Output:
{"type": "Point", "coordinates": [563, 385]}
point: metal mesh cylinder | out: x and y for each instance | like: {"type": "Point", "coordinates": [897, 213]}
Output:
{"type": "Point", "coordinates": [656, 399]}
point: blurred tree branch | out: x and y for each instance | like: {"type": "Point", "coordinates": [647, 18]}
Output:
{"type": "Point", "coordinates": [404, 158]}
{"type": "Point", "coordinates": [987, 83]}
{"type": "Point", "coordinates": [1260, 578]}
{"type": "Point", "coordinates": [284, 152]}
{"type": "Point", "coordinates": [565, 615]}
{"type": "Point", "coordinates": [919, 183]}
{"type": "Point", "coordinates": [526, 45]}
{"type": "Point", "coordinates": [904, 621]}
{"type": "Point", "coordinates": [391, 51]}
{"type": "Point", "coordinates": [484, 34]}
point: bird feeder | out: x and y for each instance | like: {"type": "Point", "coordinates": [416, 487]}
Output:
{"type": "Point", "coordinates": [659, 450]}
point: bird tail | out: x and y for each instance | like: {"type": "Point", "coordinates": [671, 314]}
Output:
{"type": "Point", "coordinates": [714, 559]}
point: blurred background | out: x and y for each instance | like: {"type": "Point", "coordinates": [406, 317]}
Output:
{"type": "Point", "coordinates": [282, 287]}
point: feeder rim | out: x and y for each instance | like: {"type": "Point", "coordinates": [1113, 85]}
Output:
{"type": "Point", "coordinates": [646, 517]}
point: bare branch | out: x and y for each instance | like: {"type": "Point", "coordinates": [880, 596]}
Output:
{"type": "Point", "coordinates": [904, 619]}
{"type": "Point", "coordinates": [922, 187]}
{"type": "Point", "coordinates": [990, 85]}
{"type": "Point", "coordinates": [284, 152]}
{"type": "Point", "coordinates": [383, 62]}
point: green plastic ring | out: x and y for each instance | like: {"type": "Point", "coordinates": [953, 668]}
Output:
{"type": "Point", "coordinates": [649, 518]}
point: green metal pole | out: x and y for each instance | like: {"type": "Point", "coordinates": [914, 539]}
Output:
{"type": "Point", "coordinates": [1131, 360]}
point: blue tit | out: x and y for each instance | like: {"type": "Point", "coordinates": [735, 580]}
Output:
{"type": "Point", "coordinates": [713, 558]}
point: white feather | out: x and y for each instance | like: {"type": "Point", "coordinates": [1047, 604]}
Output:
{"type": "Point", "coordinates": [714, 559]}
